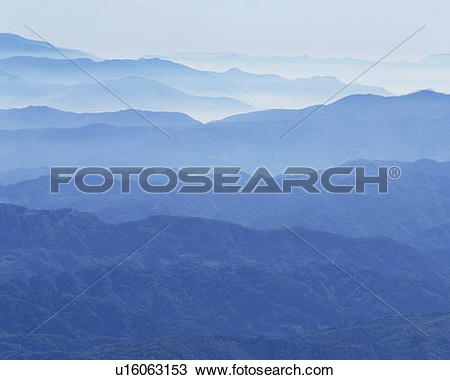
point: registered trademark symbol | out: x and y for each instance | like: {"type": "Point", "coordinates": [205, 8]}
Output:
{"type": "Point", "coordinates": [394, 172]}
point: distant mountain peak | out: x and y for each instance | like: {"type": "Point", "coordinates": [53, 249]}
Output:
{"type": "Point", "coordinates": [428, 93]}
{"type": "Point", "coordinates": [234, 70]}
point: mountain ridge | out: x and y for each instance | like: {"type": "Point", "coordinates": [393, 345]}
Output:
{"type": "Point", "coordinates": [31, 117]}
{"type": "Point", "coordinates": [15, 45]}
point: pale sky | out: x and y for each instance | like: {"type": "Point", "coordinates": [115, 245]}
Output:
{"type": "Point", "coordinates": [133, 28]}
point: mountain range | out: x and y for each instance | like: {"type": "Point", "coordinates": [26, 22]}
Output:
{"type": "Point", "coordinates": [222, 276]}
{"type": "Point", "coordinates": [210, 279]}
{"type": "Point", "coordinates": [404, 128]}
{"type": "Point", "coordinates": [399, 77]}
{"type": "Point", "coordinates": [154, 84]}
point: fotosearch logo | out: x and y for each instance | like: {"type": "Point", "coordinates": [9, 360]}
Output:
{"type": "Point", "coordinates": [222, 180]}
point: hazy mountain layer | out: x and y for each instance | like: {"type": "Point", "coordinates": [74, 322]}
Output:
{"type": "Point", "coordinates": [12, 45]}
{"type": "Point", "coordinates": [398, 76]}
{"type": "Point", "coordinates": [157, 85]}
{"type": "Point", "coordinates": [405, 128]}
{"type": "Point", "coordinates": [44, 117]}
